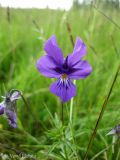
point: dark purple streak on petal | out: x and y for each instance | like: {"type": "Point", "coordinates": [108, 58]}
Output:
{"type": "Point", "coordinates": [80, 70]}
{"type": "Point", "coordinates": [47, 67]}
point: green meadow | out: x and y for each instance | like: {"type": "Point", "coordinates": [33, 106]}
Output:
{"type": "Point", "coordinates": [40, 131]}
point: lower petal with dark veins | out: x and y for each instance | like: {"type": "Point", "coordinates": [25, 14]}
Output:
{"type": "Point", "coordinates": [64, 89]}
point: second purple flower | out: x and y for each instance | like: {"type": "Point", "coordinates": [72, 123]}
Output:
{"type": "Point", "coordinates": [54, 65]}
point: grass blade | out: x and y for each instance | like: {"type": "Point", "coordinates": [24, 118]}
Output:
{"type": "Point", "coordinates": [108, 18]}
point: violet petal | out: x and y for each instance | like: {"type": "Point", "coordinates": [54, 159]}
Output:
{"type": "Point", "coordinates": [53, 50]}
{"type": "Point", "coordinates": [2, 107]}
{"type": "Point", "coordinates": [79, 51]}
{"type": "Point", "coordinates": [63, 89]}
{"type": "Point", "coordinates": [15, 96]}
{"type": "Point", "coordinates": [47, 67]}
{"type": "Point", "coordinates": [80, 70]}
{"type": "Point", "coordinates": [11, 115]}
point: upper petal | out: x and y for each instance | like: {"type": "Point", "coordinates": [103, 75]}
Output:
{"type": "Point", "coordinates": [15, 95]}
{"type": "Point", "coordinates": [48, 67]}
{"type": "Point", "coordinates": [63, 89]}
{"type": "Point", "coordinates": [79, 51]}
{"type": "Point", "coordinates": [2, 107]}
{"type": "Point", "coordinates": [81, 70]}
{"type": "Point", "coordinates": [53, 50]}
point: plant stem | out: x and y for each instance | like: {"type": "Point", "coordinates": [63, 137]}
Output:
{"type": "Point", "coordinates": [74, 141]}
{"type": "Point", "coordinates": [115, 155]}
{"type": "Point", "coordinates": [62, 113]}
{"type": "Point", "coordinates": [72, 100]}
{"type": "Point", "coordinates": [101, 113]}
{"type": "Point", "coordinates": [71, 109]}
{"type": "Point", "coordinates": [71, 106]}
{"type": "Point", "coordinates": [62, 119]}
{"type": "Point", "coordinates": [66, 153]}
{"type": "Point", "coordinates": [72, 42]}
{"type": "Point", "coordinates": [108, 18]}
{"type": "Point", "coordinates": [70, 33]}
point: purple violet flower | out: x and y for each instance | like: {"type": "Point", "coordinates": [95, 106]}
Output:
{"type": "Point", "coordinates": [115, 131]}
{"type": "Point", "coordinates": [54, 65]}
{"type": "Point", "coordinates": [8, 106]}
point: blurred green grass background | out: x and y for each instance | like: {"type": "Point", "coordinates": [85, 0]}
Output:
{"type": "Point", "coordinates": [21, 44]}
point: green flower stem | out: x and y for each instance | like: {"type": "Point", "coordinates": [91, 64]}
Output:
{"type": "Point", "coordinates": [71, 105]}
{"type": "Point", "coordinates": [62, 113]}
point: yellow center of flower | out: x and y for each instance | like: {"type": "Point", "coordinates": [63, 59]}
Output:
{"type": "Point", "coordinates": [64, 76]}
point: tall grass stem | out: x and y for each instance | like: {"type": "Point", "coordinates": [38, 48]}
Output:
{"type": "Point", "coordinates": [101, 112]}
